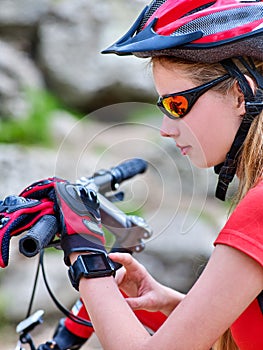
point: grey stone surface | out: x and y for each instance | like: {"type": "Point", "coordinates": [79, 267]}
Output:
{"type": "Point", "coordinates": [63, 41]}
{"type": "Point", "coordinates": [17, 73]}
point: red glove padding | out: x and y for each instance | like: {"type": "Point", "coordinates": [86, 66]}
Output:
{"type": "Point", "coordinates": [18, 214]}
{"type": "Point", "coordinates": [42, 189]}
{"type": "Point", "coordinates": [77, 210]}
{"type": "Point", "coordinates": [81, 229]}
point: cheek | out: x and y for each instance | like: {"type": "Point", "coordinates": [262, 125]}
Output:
{"type": "Point", "coordinates": [213, 132]}
{"type": "Point", "coordinates": [214, 147]}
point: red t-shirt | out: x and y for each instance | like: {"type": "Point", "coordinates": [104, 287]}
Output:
{"type": "Point", "coordinates": [244, 231]}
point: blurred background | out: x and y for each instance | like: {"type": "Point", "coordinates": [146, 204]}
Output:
{"type": "Point", "coordinates": [68, 111]}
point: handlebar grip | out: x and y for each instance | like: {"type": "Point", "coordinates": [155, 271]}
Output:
{"type": "Point", "coordinates": [39, 236]}
{"type": "Point", "coordinates": [108, 180]}
{"type": "Point", "coordinates": [128, 169]}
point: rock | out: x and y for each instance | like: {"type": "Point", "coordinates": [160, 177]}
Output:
{"type": "Point", "coordinates": [19, 20]}
{"type": "Point", "coordinates": [21, 166]}
{"type": "Point", "coordinates": [71, 38]}
{"type": "Point", "coordinates": [62, 41]}
{"type": "Point", "coordinates": [17, 73]}
{"type": "Point", "coordinates": [22, 12]}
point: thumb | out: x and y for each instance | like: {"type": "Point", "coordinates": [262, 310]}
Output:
{"type": "Point", "coordinates": [137, 303]}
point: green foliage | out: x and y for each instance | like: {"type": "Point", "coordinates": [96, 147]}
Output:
{"type": "Point", "coordinates": [128, 208]}
{"type": "Point", "coordinates": [3, 310]}
{"type": "Point", "coordinates": [33, 128]}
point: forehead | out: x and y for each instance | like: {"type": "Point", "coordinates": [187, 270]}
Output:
{"type": "Point", "coordinates": [171, 64]}
{"type": "Point", "coordinates": [170, 78]}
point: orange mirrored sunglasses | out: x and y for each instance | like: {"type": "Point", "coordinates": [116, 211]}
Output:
{"type": "Point", "coordinates": [177, 105]}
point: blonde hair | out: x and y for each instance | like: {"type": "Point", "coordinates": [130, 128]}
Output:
{"type": "Point", "coordinates": [250, 166]}
{"type": "Point", "coordinates": [226, 342]}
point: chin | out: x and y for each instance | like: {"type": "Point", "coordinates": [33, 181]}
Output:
{"type": "Point", "coordinates": [200, 163]}
{"type": "Point", "coordinates": [204, 162]}
{"type": "Point", "coordinates": [203, 165]}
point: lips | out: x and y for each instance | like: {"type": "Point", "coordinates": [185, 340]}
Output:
{"type": "Point", "coordinates": [184, 149]}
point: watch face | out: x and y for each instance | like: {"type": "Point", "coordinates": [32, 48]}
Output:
{"type": "Point", "coordinates": [96, 262]}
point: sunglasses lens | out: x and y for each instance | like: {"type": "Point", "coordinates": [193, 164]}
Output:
{"type": "Point", "coordinates": [176, 105]}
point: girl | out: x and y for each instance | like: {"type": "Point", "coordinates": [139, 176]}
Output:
{"type": "Point", "coordinates": [207, 65]}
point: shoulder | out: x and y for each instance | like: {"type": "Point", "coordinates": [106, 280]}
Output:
{"type": "Point", "coordinates": [250, 207]}
{"type": "Point", "coordinates": [244, 227]}
{"type": "Point", "coordinates": [254, 196]}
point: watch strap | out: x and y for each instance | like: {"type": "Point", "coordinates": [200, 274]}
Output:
{"type": "Point", "coordinates": [80, 268]}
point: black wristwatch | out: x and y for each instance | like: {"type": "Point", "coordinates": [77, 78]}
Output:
{"type": "Point", "coordinates": [92, 265]}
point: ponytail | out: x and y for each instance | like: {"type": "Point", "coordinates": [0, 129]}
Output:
{"type": "Point", "coordinates": [226, 342]}
{"type": "Point", "coordinates": [250, 166]}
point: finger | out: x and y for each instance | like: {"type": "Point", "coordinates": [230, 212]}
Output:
{"type": "Point", "coordinates": [137, 303]}
{"type": "Point", "coordinates": [130, 264]}
{"type": "Point", "coordinates": [120, 274]}
{"type": "Point", "coordinates": [14, 201]}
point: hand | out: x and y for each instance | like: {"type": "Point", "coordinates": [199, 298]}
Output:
{"type": "Point", "coordinates": [77, 209]}
{"type": "Point", "coordinates": [44, 188]}
{"type": "Point", "coordinates": [18, 214]}
{"type": "Point", "coordinates": [143, 291]}
{"type": "Point", "coordinates": [80, 219]}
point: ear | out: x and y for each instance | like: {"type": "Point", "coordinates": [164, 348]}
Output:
{"type": "Point", "coordinates": [239, 99]}
{"type": "Point", "coordinates": [239, 96]}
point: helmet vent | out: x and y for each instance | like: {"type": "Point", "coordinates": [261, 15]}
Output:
{"type": "Point", "coordinates": [199, 8]}
{"type": "Point", "coordinates": [222, 21]}
{"type": "Point", "coordinates": [153, 7]}
{"type": "Point", "coordinates": [155, 4]}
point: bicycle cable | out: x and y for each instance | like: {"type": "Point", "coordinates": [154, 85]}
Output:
{"type": "Point", "coordinates": [62, 308]}
{"type": "Point", "coordinates": [34, 289]}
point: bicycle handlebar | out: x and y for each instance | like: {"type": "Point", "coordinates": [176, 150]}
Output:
{"type": "Point", "coordinates": [108, 180]}
{"type": "Point", "coordinates": [39, 236]}
{"type": "Point", "coordinates": [116, 221]}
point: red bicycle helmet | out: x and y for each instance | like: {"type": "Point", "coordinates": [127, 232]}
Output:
{"type": "Point", "coordinates": [169, 27]}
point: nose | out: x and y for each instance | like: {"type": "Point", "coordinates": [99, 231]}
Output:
{"type": "Point", "coordinates": [169, 127]}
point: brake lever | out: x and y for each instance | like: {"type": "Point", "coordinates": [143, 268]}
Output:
{"type": "Point", "coordinates": [130, 230]}
{"type": "Point", "coordinates": [133, 237]}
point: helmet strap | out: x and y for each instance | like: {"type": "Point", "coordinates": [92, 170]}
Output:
{"type": "Point", "coordinates": [236, 73]}
{"type": "Point", "coordinates": [252, 70]}
{"type": "Point", "coordinates": [227, 170]}
{"type": "Point", "coordinates": [254, 106]}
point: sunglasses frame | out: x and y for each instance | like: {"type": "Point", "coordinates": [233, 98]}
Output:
{"type": "Point", "coordinates": [191, 96]}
